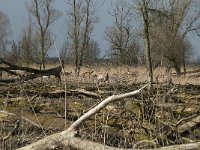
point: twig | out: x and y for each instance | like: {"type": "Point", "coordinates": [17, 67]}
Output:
{"type": "Point", "coordinates": [188, 125]}
{"type": "Point", "coordinates": [13, 130]}
{"type": "Point", "coordinates": [184, 119]}
{"type": "Point", "coordinates": [144, 142]}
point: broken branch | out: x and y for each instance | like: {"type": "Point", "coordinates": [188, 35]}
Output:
{"type": "Point", "coordinates": [61, 138]}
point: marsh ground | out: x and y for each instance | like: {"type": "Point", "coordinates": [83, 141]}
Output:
{"type": "Point", "coordinates": [43, 106]}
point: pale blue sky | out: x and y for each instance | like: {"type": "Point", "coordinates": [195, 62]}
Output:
{"type": "Point", "coordinates": [17, 14]}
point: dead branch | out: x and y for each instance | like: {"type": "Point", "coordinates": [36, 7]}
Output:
{"type": "Point", "coordinates": [86, 93]}
{"type": "Point", "coordinates": [102, 105]}
{"type": "Point", "coordinates": [54, 94]}
{"type": "Point", "coordinates": [189, 72]}
{"type": "Point", "coordinates": [184, 119]}
{"type": "Point", "coordinates": [189, 125]}
{"type": "Point", "coordinates": [62, 93]}
{"type": "Point", "coordinates": [9, 71]}
{"type": "Point", "coordinates": [11, 133]}
{"type": "Point", "coordinates": [193, 71]}
{"type": "Point", "coordinates": [55, 140]}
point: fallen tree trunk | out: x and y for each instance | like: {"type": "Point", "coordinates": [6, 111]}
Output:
{"type": "Point", "coordinates": [86, 93]}
{"type": "Point", "coordinates": [63, 93]}
{"type": "Point", "coordinates": [66, 138]}
{"type": "Point", "coordinates": [34, 73]}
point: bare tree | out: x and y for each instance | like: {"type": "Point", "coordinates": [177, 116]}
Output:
{"type": "Point", "coordinates": [44, 15]}
{"type": "Point", "coordinates": [169, 32]}
{"type": "Point", "coordinates": [26, 44]}
{"type": "Point", "coordinates": [5, 31]}
{"type": "Point", "coordinates": [91, 54]}
{"type": "Point", "coordinates": [14, 53]}
{"type": "Point", "coordinates": [123, 46]}
{"type": "Point", "coordinates": [80, 27]}
{"type": "Point", "coordinates": [64, 52]}
{"type": "Point", "coordinates": [144, 8]}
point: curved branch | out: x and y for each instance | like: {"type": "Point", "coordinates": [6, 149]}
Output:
{"type": "Point", "coordinates": [66, 138]}
{"type": "Point", "coordinates": [62, 138]}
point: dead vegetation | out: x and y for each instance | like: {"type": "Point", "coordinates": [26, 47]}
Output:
{"type": "Point", "coordinates": [36, 108]}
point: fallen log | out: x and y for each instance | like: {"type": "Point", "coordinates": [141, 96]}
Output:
{"type": "Point", "coordinates": [34, 73]}
{"type": "Point", "coordinates": [63, 93]}
{"type": "Point", "coordinates": [88, 145]}
{"type": "Point", "coordinates": [66, 138]}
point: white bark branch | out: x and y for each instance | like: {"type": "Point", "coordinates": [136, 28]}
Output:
{"type": "Point", "coordinates": [66, 138]}
{"type": "Point", "coordinates": [102, 105]}
{"type": "Point", "coordinates": [63, 137]}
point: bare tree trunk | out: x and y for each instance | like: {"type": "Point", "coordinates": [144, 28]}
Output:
{"type": "Point", "coordinates": [43, 63]}
{"type": "Point", "coordinates": [147, 43]}
{"type": "Point", "coordinates": [184, 68]}
{"type": "Point", "coordinates": [85, 43]}
{"type": "Point", "coordinates": [75, 39]}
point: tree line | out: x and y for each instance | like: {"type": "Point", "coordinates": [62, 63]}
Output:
{"type": "Point", "coordinates": [150, 32]}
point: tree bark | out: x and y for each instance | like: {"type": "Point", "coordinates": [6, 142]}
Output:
{"type": "Point", "coordinates": [145, 15]}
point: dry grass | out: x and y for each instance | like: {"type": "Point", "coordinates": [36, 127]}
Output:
{"type": "Point", "coordinates": [132, 74]}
